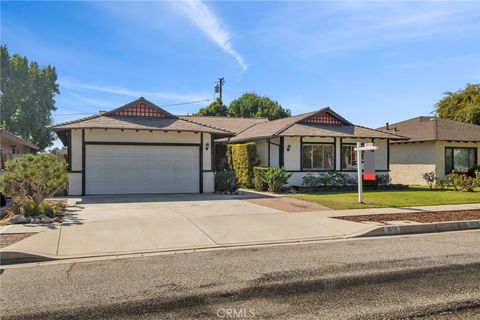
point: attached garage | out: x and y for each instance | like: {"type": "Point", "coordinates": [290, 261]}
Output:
{"type": "Point", "coordinates": [130, 169]}
{"type": "Point", "coordinates": [139, 148]}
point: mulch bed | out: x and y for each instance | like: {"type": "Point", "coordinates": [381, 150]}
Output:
{"type": "Point", "coordinates": [7, 239]}
{"type": "Point", "coordinates": [424, 217]}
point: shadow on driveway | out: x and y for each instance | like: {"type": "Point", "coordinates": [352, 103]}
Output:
{"type": "Point", "coordinates": [131, 198]}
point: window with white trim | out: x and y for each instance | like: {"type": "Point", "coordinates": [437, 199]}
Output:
{"type": "Point", "coordinates": [317, 156]}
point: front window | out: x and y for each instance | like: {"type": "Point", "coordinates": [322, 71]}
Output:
{"type": "Point", "coordinates": [349, 157]}
{"type": "Point", "coordinates": [460, 159]}
{"type": "Point", "coordinates": [317, 157]}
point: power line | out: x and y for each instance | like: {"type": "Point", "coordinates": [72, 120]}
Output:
{"type": "Point", "coordinates": [166, 105]}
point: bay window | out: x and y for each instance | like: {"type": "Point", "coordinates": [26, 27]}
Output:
{"type": "Point", "coordinates": [317, 156]}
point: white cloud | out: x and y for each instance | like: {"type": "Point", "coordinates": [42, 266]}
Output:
{"type": "Point", "coordinates": [210, 24]}
{"type": "Point", "coordinates": [132, 93]}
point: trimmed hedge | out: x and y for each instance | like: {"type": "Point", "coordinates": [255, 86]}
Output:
{"type": "Point", "coordinates": [258, 172]}
{"type": "Point", "coordinates": [243, 157]}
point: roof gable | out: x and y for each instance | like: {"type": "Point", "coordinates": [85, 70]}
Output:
{"type": "Point", "coordinates": [325, 116]}
{"type": "Point", "coordinates": [141, 108]}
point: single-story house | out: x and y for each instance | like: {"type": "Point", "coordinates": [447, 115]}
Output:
{"type": "Point", "coordinates": [142, 148]}
{"type": "Point", "coordinates": [12, 146]}
{"type": "Point", "coordinates": [435, 144]}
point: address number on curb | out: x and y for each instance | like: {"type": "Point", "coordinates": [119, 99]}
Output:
{"type": "Point", "coordinates": [473, 224]}
{"type": "Point", "coordinates": [391, 229]}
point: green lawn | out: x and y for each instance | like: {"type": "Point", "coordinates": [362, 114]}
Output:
{"type": "Point", "coordinates": [389, 198]}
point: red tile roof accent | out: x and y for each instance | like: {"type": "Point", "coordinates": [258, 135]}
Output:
{"type": "Point", "coordinates": [323, 118]}
{"type": "Point", "coordinates": [141, 110]}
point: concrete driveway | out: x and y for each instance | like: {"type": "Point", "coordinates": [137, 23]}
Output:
{"type": "Point", "coordinates": [106, 225]}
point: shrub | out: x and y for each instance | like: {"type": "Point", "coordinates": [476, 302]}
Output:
{"type": "Point", "coordinates": [275, 178]}
{"type": "Point", "coordinates": [330, 178]}
{"type": "Point", "coordinates": [382, 180]}
{"type": "Point", "coordinates": [243, 157]}
{"type": "Point", "coordinates": [226, 181]}
{"type": "Point", "coordinates": [430, 177]}
{"type": "Point", "coordinates": [30, 179]}
{"type": "Point", "coordinates": [462, 182]}
{"type": "Point", "coordinates": [258, 172]}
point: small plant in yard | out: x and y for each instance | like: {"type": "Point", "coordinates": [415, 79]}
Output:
{"type": "Point", "coordinates": [431, 178]}
{"type": "Point", "coordinates": [226, 181]}
{"type": "Point", "coordinates": [31, 179]}
{"type": "Point", "coordinates": [275, 178]}
{"type": "Point", "coordinates": [462, 182]}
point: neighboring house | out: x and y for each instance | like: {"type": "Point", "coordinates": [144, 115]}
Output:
{"type": "Point", "coordinates": [435, 144]}
{"type": "Point", "coordinates": [12, 146]}
{"type": "Point", "coordinates": [141, 148]}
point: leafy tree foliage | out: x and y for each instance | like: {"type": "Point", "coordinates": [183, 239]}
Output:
{"type": "Point", "coordinates": [255, 106]}
{"type": "Point", "coordinates": [462, 105]}
{"type": "Point", "coordinates": [216, 108]}
{"type": "Point", "coordinates": [27, 99]}
{"type": "Point", "coordinates": [33, 178]}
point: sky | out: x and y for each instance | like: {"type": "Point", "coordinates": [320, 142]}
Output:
{"type": "Point", "coordinates": [372, 62]}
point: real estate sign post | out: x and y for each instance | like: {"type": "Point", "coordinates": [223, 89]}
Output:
{"type": "Point", "coordinates": [359, 149]}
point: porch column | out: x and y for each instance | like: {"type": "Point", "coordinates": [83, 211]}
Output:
{"type": "Point", "coordinates": [338, 154]}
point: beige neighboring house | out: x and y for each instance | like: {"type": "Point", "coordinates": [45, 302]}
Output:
{"type": "Point", "coordinates": [142, 148]}
{"type": "Point", "coordinates": [435, 144]}
{"type": "Point", "coordinates": [12, 146]}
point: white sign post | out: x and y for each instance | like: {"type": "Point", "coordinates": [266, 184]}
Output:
{"type": "Point", "coordinates": [359, 149]}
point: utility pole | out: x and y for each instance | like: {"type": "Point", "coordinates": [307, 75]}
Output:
{"type": "Point", "coordinates": [219, 88]}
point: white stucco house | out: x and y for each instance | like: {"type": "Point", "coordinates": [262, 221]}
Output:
{"type": "Point", "coordinates": [435, 144]}
{"type": "Point", "coordinates": [142, 148]}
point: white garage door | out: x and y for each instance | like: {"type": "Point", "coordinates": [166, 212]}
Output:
{"type": "Point", "coordinates": [124, 169]}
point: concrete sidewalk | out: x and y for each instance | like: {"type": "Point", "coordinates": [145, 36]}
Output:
{"type": "Point", "coordinates": [99, 226]}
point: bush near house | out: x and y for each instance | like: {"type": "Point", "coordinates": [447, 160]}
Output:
{"type": "Point", "coordinates": [258, 172]}
{"type": "Point", "coordinates": [330, 178]}
{"type": "Point", "coordinates": [30, 179]}
{"type": "Point", "coordinates": [457, 181]}
{"type": "Point", "coordinates": [275, 178]}
{"type": "Point", "coordinates": [226, 181]}
{"type": "Point", "coordinates": [243, 158]}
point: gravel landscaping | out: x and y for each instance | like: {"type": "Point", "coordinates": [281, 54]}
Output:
{"type": "Point", "coordinates": [423, 217]}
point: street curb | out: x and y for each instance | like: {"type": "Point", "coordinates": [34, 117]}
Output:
{"type": "Point", "coordinates": [389, 230]}
{"type": "Point", "coordinates": [17, 257]}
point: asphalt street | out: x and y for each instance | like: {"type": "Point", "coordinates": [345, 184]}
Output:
{"type": "Point", "coordinates": [429, 276]}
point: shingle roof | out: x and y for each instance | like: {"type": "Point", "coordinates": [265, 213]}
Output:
{"type": "Point", "coordinates": [136, 123]}
{"type": "Point", "coordinates": [332, 130]}
{"type": "Point", "coordinates": [293, 126]}
{"type": "Point", "coordinates": [425, 128]}
{"type": "Point", "coordinates": [231, 124]}
{"type": "Point", "coordinates": [17, 139]}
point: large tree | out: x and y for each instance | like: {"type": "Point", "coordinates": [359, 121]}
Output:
{"type": "Point", "coordinates": [27, 98]}
{"type": "Point", "coordinates": [253, 105]}
{"type": "Point", "coordinates": [216, 108]}
{"type": "Point", "coordinates": [462, 105]}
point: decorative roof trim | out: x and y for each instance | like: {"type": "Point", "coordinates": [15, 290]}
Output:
{"type": "Point", "coordinates": [135, 103]}
{"type": "Point", "coordinates": [332, 113]}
